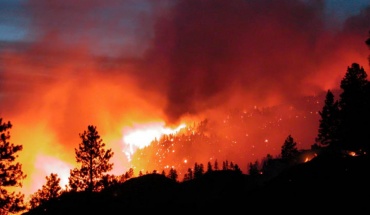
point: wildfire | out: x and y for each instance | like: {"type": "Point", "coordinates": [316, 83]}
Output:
{"type": "Point", "coordinates": [141, 135]}
{"type": "Point", "coordinates": [309, 157]}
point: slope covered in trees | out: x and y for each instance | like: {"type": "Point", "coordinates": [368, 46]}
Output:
{"type": "Point", "coordinates": [322, 184]}
{"type": "Point", "coordinates": [333, 173]}
{"type": "Point", "coordinates": [336, 173]}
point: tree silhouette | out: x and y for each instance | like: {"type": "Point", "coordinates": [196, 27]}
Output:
{"type": "Point", "coordinates": [198, 170]}
{"type": "Point", "coordinates": [231, 165]}
{"type": "Point", "coordinates": [50, 190]}
{"type": "Point", "coordinates": [289, 150]}
{"type": "Point", "coordinates": [253, 168]}
{"type": "Point", "coordinates": [94, 161]}
{"type": "Point", "coordinates": [267, 163]}
{"type": "Point", "coordinates": [329, 122]}
{"type": "Point", "coordinates": [11, 174]}
{"type": "Point", "coordinates": [110, 180]}
{"type": "Point", "coordinates": [209, 167]}
{"type": "Point", "coordinates": [225, 165]}
{"type": "Point", "coordinates": [354, 105]}
{"type": "Point", "coordinates": [129, 174]}
{"type": "Point", "coordinates": [189, 175]}
{"type": "Point", "coordinates": [173, 174]}
{"type": "Point", "coordinates": [368, 44]}
{"type": "Point", "coordinates": [216, 165]}
{"type": "Point", "coordinates": [236, 168]}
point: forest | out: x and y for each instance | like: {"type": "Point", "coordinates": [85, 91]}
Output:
{"type": "Point", "coordinates": [332, 175]}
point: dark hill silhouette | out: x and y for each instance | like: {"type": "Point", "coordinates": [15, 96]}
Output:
{"type": "Point", "coordinates": [325, 184]}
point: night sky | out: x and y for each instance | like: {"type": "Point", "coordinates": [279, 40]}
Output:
{"type": "Point", "coordinates": [129, 65]}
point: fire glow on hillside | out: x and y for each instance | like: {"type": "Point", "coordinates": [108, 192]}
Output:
{"type": "Point", "coordinates": [142, 135]}
{"type": "Point", "coordinates": [156, 68]}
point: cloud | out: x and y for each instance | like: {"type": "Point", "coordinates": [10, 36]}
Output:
{"type": "Point", "coordinates": [265, 52]}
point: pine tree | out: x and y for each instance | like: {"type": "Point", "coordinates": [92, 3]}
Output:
{"type": "Point", "coordinates": [354, 105]}
{"type": "Point", "coordinates": [289, 150]}
{"type": "Point", "coordinates": [130, 172]}
{"type": "Point", "coordinates": [267, 163]}
{"type": "Point", "coordinates": [368, 44]}
{"type": "Point", "coordinates": [216, 165]}
{"type": "Point", "coordinates": [50, 190]}
{"type": "Point", "coordinates": [237, 169]}
{"type": "Point", "coordinates": [209, 167]}
{"type": "Point", "coordinates": [253, 168]}
{"type": "Point", "coordinates": [173, 174]}
{"type": "Point", "coordinates": [110, 180]}
{"type": "Point", "coordinates": [11, 174]}
{"type": "Point", "coordinates": [231, 165]}
{"type": "Point", "coordinates": [94, 161]}
{"type": "Point", "coordinates": [189, 175]}
{"type": "Point", "coordinates": [329, 122]}
{"type": "Point", "coordinates": [198, 170]}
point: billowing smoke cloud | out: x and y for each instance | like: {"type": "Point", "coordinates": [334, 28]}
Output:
{"type": "Point", "coordinates": [197, 54]}
{"type": "Point", "coordinates": [115, 63]}
{"type": "Point", "coordinates": [265, 52]}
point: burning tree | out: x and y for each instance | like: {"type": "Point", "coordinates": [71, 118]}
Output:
{"type": "Point", "coordinates": [94, 161]}
{"type": "Point", "coordinates": [11, 174]}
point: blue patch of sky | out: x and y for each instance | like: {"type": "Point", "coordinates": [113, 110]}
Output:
{"type": "Point", "coordinates": [342, 9]}
{"type": "Point", "coordinates": [127, 21]}
{"type": "Point", "coordinates": [13, 21]}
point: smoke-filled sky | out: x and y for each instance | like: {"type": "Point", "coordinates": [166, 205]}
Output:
{"type": "Point", "coordinates": [119, 64]}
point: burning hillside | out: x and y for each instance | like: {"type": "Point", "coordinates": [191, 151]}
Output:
{"type": "Point", "coordinates": [218, 78]}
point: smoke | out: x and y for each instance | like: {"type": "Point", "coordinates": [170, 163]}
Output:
{"type": "Point", "coordinates": [196, 54]}
{"type": "Point", "coordinates": [250, 52]}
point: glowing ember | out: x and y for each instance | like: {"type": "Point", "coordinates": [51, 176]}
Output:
{"type": "Point", "coordinates": [141, 135]}
{"type": "Point", "coordinates": [351, 153]}
{"type": "Point", "coordinates": [310, 157]}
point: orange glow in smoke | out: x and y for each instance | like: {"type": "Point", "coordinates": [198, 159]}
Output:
{"type": "Point", "coordinates": [52, 89]}
{"type": "Point", "coordinates": [45, 165]}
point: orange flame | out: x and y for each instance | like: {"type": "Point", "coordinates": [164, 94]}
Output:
{"type": "Point", "coordinates": [141, 135]}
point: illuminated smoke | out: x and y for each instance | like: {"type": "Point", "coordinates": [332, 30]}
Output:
{"type": "Point", "coordinates": [125, 64]}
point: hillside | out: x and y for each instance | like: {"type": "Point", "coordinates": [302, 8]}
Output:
{"type": "Point", "coordinates": [330, 184]}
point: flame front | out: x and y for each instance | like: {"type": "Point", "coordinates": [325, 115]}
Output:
{"type": "Point", "coordinates": [141, 135]}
